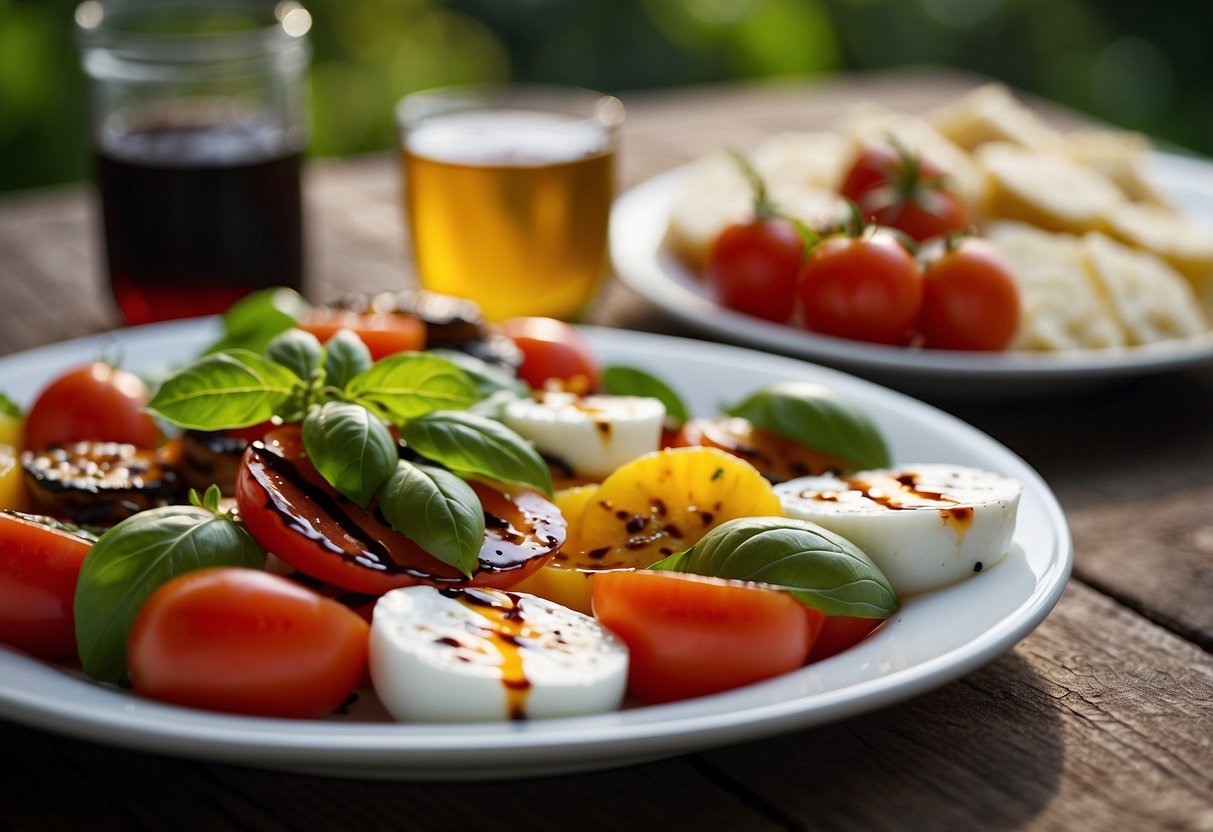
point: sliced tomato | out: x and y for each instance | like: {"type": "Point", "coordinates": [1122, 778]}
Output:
{"type": "Point", "coordinates": [553, 351]}
{"type": "Point", "coordinates": [841, 632]}
{"type": "Point", "coordinates": [778, 458]}
{"type": "Point", "coordinates": [384, 334]}
{"type": "Point", "coordinates": [688, 635]}
{"type": "Point", "coordinates": [246, 641]}
{"type": "Point", "coordinates": [299, 517]}
{"type": "Point", "coordinates": [39, 566]}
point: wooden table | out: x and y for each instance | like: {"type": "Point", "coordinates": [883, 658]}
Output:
{"type": "Point", "coordinates": [1100, 719]}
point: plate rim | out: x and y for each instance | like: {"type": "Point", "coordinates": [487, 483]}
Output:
{"type": "Point", "coordinates": [639, 218]}
{"type": "Point", "coordinates": [399, 751]}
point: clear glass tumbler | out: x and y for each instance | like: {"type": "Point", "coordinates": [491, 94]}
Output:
{"type": "Point", "coordinates": [198, 124]}
{"type": "Point", "coordinates": [508, 193]}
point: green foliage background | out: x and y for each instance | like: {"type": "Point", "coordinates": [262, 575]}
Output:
{"type": "Point", "coordinates": [1146, 66]}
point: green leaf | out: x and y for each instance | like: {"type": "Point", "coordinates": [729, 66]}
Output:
{"type": "Point", "coordinates": [630, 381]}
{"type": "Point", "coordinates": [132, 560]}
{"type": "Point", "coordinates": [254, 320]}
{"type": "Point", "coordinates": [351, 448]}
{"type": "Point", "coordinates": [226, 390]}
{"type": "Point", "coordinates": [436, 510]}
{"type": "Point", "coordinates": [298, 351]}
{"type": "Point", "coordinates": [475, 446]}
{"type": "Point", "coordinates": [816, 416]}
{"type": "Point", "coordinates": [489, 379]}
{"type": "Point", "coordinates": [345, 356]}
{"type": "Point", "coordinates": [818, 567]}
{"type": "Point", "coordinates": [9, 408]}
{"type": "Point", "coordinates": [410, 384]}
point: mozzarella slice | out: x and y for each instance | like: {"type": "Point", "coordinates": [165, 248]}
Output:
{"type": "Point", "coordinates": [925, 526]}
{"type": "Point", "coordinates": [455, 655]}
{"type": "Point", "coordinates": [592, 435]}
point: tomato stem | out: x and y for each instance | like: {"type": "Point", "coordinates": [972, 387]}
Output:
{"type": "Point", "coordinates": [764, 208]}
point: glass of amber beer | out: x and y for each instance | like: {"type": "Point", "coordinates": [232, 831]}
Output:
{"type": "Point", "coordinates": [508, 193]}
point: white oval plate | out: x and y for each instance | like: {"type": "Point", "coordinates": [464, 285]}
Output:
{"type": "Point", "coordinates": [934, 638]}
{"type": "Point", "coordinates": [638, 226]}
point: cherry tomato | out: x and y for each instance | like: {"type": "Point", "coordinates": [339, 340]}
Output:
{"type": "Point", "coordinates": [867, 287]}
{"type": "Point", "coordinates": [688, 635]}
{"type": "Point", "coordinates": [97, 402]}
{"type": "Point", "coordinates": [778, 458]}
{"type": "Point", "coordinates": [552, 349]}
{"type": "Point", "coordinates": [295, 514]}
{"type": "Point", "coordinates": [897, 189]}
{"type": "Point", "coordinates": [384, 334]}
{"type": "Point", "coordinates": [245, 641]}
{"type": "Point", "coordinates": [752, 268]}
{"type": "Point", "coordinates": [970, 299]}
{"type": "Point", "coordinates": [840, 632]}
{"type": "Point", "coordinates": [39, 566]}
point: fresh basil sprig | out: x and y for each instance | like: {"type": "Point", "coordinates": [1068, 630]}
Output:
{"type": "Point", "coordinates": [252, 322]}
{"type": "Point", "coordinates": [9, 408]}
{"type": "Point", "coordinates": [488, 378]}
{"type": "Point", "coordinates": [136, 557]}
{"type": "Point", "coordinates": [476, 446]}
{"type": "Point", "coordinates": [300, 352]}
{"type": "Point", "coordinates": [411, 384]}
{"type": "Point", "coordinates": [231, 389]}
{"type": "Point", "coordinates": [351, 448]}
{"type": "Point", "coordinates": [631, 381]}
{"type": "Point", "coordinates": [818, 417]}
{"type": "Point", "coordinates": [821, 569]}
{"type": "Point", "coordinates": [436, 510]}
{"type": "Point", "coordinates": [345, 357]}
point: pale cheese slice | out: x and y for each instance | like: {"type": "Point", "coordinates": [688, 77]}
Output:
{"type": "Point", "coordinates": [1062, 306]}
{"type": "Point", "coordinates": [1152, 301]}
{"type": "Point", "coordinates": [1121, 156]}
{"type": "Point", "coordinates": [1185, 244]}
{"type": "Point", "coordinates": [1051, 192]}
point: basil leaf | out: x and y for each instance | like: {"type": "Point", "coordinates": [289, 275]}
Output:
{"type": "Point", "coordinates": [351, 448]}
{"type": "Point", "coordinates": [298, 351]}
{"type": "Point", "coordinates": [345, 356]}
{"type": "Point", "coordinates": [132, 560]}
{"type": "Point", "coordinates": [226, 390]}
{"type": "Point", "coordinates": [436, 510]}
{"type": "Point", "coordinates": [9, 408]}
{"type": "Point", "coordinates": [475, 446]}
{"type": "Point", "coordinates": [254, 320]}
{"type": "Point", "coordinates": [630, 381]}
{"type": "Point", "coordinates": [488, 378]}
{"type": "Point", "coordinates": [816, 416]}
{"type": "Point", "coordinates": [821, 569]}
{"type": "Point", "coordinates": [410, 384]}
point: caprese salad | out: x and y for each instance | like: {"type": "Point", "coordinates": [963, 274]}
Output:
{"type": "Point", "coordinates": [477, 522]}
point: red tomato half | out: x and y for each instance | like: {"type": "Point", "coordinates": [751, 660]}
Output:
{"type": "Point", "coordinates": [868, 288]}
{"type": "Point", "coordinates": [94, 402]}
{"type": "Point", "coordinates": [970, 300]}
{"type": "Point", "coordinates": [840, 632]}
{"type": "Point", "coordinates": [38, 571]}
{"type": "Point", "coordinates": [245, 641]}
{"type": "Point", "coordinates": [552, 349]}
{"type": "Point", "coordinates": [294, 513]}
{"type": "Point", "coordinates": [688, 635]}
{"type": "Point", "coordinates": [383, 334]}
{"type": "Point", "coordinates": [776, 457]}
{"type": "Point", "coordinates": [752, 268]}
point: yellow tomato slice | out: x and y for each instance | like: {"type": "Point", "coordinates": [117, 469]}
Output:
{"type": "Point", "coordinates": [653, 506]}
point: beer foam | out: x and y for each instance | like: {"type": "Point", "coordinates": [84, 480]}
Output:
{"type": "Point", "coordinates": [513, 138]}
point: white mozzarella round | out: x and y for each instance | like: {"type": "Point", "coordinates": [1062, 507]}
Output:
{"type": "Point", "coordinates": [485, 654]}
{"type": "Point", "coordinates": [925, 526]}
{"type": "Point", "coordinates": [593, 435]}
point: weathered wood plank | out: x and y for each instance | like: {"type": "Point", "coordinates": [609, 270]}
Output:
{"type": "Point", "coordinates": [1093, 722]}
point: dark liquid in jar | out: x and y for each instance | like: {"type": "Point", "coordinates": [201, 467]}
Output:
{"type": "Point", "coordinates": [198, 215]}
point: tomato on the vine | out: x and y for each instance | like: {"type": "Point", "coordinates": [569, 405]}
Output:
{"type": "Point", "coordinates": [970, 299]}
{"type": "Point", "coordinates": [752, 268]}
{"type": "Point", "coordinates": [553, 350]}
{"type": "Point", "coordinates": [902, 190]}
{"type": "Point", "coordinates": [295, 514]}
{"type": "Point", "coordinates": [94, 402]}
{"type": "Point", "coordinates": [246, 641]}
{"type": "Point", "coordinates": [39, 566]}
{"type": "Point", "coordinates": [864, 286]}
{"type": "Point", "coordinates": [690, 635]}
